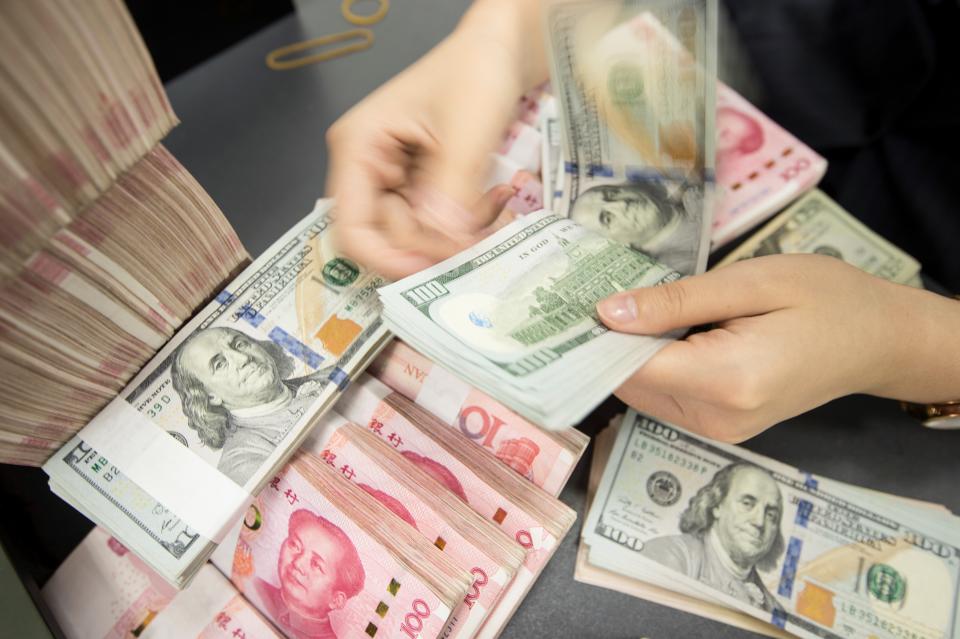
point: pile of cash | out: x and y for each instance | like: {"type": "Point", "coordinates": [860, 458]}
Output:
{"type": "Point", "coordinates": [104, 590]}
{"type": "Point", "coordinates": [725, 533]}
{"type": "Point", "coordinates": [387, 520]}
{"type": "Point", "coordinates": [544, 457]}
{"type": "Point", "coordinates": [426, 505]}
{"type": "Point", "coordinates": [80, 103]}
{"type": "Point", "coordinates": [515, 315]}
{"type": "Point", "coordinates": [233, 393]}
{"type": "Point", "coordinates": [109, 244]}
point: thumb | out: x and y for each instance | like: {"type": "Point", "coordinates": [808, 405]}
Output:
{"type": "Point", "coordinates": [450, 185]}
{"type": "Point", "coordinates": [741, 289]}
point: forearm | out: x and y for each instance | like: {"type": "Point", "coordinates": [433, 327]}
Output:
{"type": "Point", "coordinates": [517, 25]}
{"type": "Point", "coordinates": [924, 362]}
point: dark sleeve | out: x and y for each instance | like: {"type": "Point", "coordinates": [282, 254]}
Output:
{"type": "Point", "coordinates": [871, 86]}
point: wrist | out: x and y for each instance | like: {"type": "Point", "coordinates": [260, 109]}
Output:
{"type": "Point", "coordinates": [923, 361]}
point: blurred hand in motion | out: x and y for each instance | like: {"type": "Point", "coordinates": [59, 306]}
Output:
{"type": "Point", "coordinates": [789, 333]}
{"type": "Point", "coordinates": [408, 162]}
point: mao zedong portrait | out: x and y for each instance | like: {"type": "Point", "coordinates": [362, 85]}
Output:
{"type": "Point", "coordinates": [235, 394]}
{"type": "Point", "coordinates": [319, 571]}
{"type": "Point", "coordinates": [738, 135]}
{"type": "Point", "coordinates": [730, 529]}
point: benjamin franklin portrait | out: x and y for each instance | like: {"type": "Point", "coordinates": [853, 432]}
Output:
{"type": "Point", "coordinates": [729, 531]}
{"type": "Point", "coordinates": [646, 217]}
{"type": "Point", "coordinates": [236, 394]}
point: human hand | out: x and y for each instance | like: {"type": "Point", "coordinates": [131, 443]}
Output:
{"type": "Point", "coordinates": [408, 162]}
{"type": "Point", "coordinates": [791, 332]}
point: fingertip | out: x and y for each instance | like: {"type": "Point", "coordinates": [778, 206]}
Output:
{"type": "Point", "coordinates": [618, 311]}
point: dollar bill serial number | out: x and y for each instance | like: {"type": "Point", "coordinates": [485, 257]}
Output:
{"type": "Point", "coordinates": [870, 618]}
{"type": "Point", "coordinates": [656, 450]}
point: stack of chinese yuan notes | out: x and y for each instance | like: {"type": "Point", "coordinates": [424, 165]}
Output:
{"type": "Point", "coordinates": [389, 521]}
{"type": "Point", "coordinates": [108, 244]}
{"type": "Point", "coordinates": [104, 590]}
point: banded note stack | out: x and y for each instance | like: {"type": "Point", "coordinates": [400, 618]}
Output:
{"type": "Point", "coordinates": [108, 243]}
{"type": "Point", "coordinates": [725, 533]}
{"type": "Point", "coordinates": [389, 525]}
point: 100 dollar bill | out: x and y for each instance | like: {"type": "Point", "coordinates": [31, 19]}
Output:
{"type": "Point", "coordinates": [515, 316]}
{"type": "Point", "coordinates": [803, 553]}
{"type": "Point", "coordinates": [635, 83]}
{"type": "Point", "coordinates": [239, 387]}
{"type": "Point", "coordinates": [817, 224]}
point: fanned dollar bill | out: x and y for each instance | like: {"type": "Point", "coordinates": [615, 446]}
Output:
{"type": "Point", "coordinates": [515, 316]}
{"type": "Point", "coordinates": [635, 82]}
{"type": "Point", "coordinates": [817, 224]}
{"type": "Point", "coordinates": [239, 387]}
{"type": "Point", "coordinates": [809, 555]}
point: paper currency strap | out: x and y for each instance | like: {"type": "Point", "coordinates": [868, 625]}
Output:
{"type": "Point", "coordinates": [699, 176]}
{"type": "Point", "coordinates": [196, 492]}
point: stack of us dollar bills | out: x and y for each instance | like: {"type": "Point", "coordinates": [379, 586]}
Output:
{"type": "Point", "coordinates": [515, 315]}
{"type": "Point", "coordinates": [725, 533]}
{"type": "Point", "coordinates": [224, 403]}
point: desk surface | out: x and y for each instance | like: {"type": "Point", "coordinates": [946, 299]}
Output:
{"type": "Point", "coordinates": [254, 138]}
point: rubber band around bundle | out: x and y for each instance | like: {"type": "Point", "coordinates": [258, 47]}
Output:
{"type": "Point", "coordinates": [275, 63]}
{"type": "Point", "coordinates": [364, 20]}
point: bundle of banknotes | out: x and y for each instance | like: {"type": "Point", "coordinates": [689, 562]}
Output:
{"type": "Point", "coordinates": [109, 244]}
{"type": "Point", "coordinates": [170, 461]}
{"type": "Point", "coordinates": [80, 103]}
{"type": "Point", "coordinates": [389, 521]}
{"type": "Point", "coordinates": [104, 590]}
{"type": "Point", "coordinates": [722, 532]}
{"type": "Point", "coordinates": [515, 315]}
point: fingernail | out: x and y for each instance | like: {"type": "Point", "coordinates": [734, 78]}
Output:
{"type": "Point", "coordinates": [619, 308]}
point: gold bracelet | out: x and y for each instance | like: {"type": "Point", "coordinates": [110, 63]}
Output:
{"type": "Point", "coordinates": [941, 415]}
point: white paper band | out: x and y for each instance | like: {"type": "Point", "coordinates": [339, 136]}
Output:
{"type": "Point", "coordinates": [443, 394]}
{"type": "Point", "coordinates": [193, 490]}
{"type": "Point", "coordinates": [195, 608]}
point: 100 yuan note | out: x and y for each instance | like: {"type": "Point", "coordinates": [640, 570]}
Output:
{"type": "Point", "coordinates": [761, 167]}
{"type": "Point", "coordinates": [315, 570]}
{"type": "Point", "coordinates": [635, 83]}
{"type": "Point", "coordinates": [535, 454]}
{"type": "Point", "coordinates": [817, 224]}
{"type": "Point", "coordinates": [806, 554]}
{"type": "Point", "coordinates": [239, 386]}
